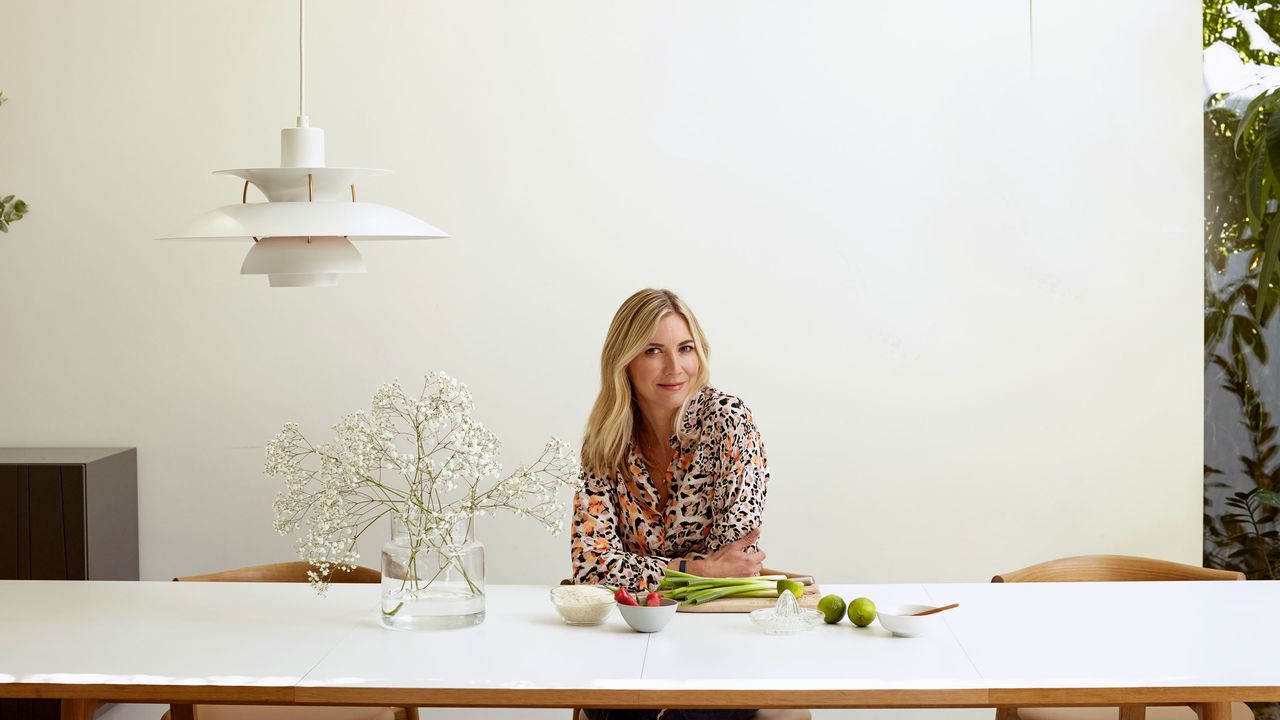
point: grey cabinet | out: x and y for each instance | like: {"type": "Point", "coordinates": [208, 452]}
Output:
{"type": "Point", "coordinates": [66, 514]}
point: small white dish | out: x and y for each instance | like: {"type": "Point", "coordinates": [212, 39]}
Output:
{"type": "Point", "coordinates": [768, 620]}
{"type": "Point", "coordinates": [645, 619]}
{"type": "Point", "coordinates": [903, 623]}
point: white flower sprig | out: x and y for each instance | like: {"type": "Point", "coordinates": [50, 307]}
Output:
{"type": "Point", "coordinates": [423, 459]}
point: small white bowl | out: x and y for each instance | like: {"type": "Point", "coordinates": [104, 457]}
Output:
{"type": "Point", "coordinates": [646, 619]}
{"type": "Point", "coordinates": [589, 604]}
{"type": "Point", "coordinates": [902, 623]}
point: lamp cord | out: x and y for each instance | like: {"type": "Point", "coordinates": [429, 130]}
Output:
{"type": "Point", "coordinates": [302, 64]}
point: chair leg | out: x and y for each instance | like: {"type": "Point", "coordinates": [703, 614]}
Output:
{"type": "Point", "coordinates": [790, 714]}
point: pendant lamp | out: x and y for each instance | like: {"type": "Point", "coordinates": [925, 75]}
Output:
{"type": "Point", "coordinates": [302, 234]}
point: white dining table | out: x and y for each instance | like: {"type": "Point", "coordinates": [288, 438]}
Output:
{"type": "Point", "coordinates": [1200, 643]}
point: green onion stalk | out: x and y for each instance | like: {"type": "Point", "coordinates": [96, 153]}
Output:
{"type": "Point", "coordinates": [691, 589]}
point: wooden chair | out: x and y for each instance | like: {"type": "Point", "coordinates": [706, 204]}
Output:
{"type": "Point", "coordinates": [1119, 568]}
{"type": "Point", "coordinates": [285, 572]}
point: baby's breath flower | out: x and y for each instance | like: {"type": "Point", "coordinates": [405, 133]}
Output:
{"type": "Point", "coordinates": [421, 459]}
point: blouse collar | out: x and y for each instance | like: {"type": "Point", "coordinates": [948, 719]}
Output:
{"type": "Point", "coordinates": [691, 423]}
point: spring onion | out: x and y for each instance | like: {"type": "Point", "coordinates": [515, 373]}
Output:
{"type": "Point", "coordinates": [695, 589]}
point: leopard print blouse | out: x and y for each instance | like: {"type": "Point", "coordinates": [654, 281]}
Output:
{"type": "Point", "coordinates": [717, 477]}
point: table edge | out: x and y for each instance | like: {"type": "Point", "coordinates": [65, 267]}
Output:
{"type": "Point", "coordinates": [635, 698]}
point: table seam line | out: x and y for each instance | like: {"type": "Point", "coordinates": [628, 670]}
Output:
{"type": "Point", "coordinates": [298, 685]}
{"type": "Point", "coordinates": [960, 645]}
{"type": "Point", "coordinates": [644, 660]}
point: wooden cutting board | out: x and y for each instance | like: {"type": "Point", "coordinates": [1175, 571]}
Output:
{"type": "Point", "coordinates": [742, 605]}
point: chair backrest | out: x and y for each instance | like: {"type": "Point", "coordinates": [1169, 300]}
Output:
{"type": "Point", "coordinates": [1113, 568]}
{"type": "Point", "coordinates": [284, 572]}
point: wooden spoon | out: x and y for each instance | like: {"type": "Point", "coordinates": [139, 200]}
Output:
{"type": "Point", "coordinates": [935, 610]}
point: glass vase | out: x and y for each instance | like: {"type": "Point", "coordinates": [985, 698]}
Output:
{"type": "Point", "coordinates": [433, 578]}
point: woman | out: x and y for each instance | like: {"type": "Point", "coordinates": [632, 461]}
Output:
{"type": "Point", "coordinates": [675, 470]}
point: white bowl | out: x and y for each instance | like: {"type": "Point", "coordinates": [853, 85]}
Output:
{"type": "Point", "coordinates": [902, 623]}
{"type": "Point", "coordinates": [582, 604]}
{"type": "Point", "coordinates": [646, 619]}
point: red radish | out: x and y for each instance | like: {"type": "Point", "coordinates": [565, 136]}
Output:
{"type": "Point", "coordinates": [653, 599]}
{"type": "Point", "coordinates": [624, 598]}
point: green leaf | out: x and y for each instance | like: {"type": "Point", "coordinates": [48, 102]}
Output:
{"type": "Point", "coordinates": [1246, 329]}
{"type": "Point", "coordinates": [1267, 435]}
{"type": "Point", "coordinates": [1213, 325]}
{"type": "Point", "coordinates": [1271, 251]}
{"type": "Point", "coordinates": [1271, 136]}
{"type": "Point", "coordinates": [1254, 190]}
{"type": "Point", "coordinates": [1260, 103]}
{"type": "Point", "coordinates": [1269, 498]}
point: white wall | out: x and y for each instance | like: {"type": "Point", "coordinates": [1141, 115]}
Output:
{"type": "Point", "coordinates": [948, 252]}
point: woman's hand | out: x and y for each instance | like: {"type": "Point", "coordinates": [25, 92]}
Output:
{"type": "Point", "coordinates": [736, 559]}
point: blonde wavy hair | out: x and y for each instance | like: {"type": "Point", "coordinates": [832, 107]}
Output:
{"type": "Point", "coordinates": [615, 415]}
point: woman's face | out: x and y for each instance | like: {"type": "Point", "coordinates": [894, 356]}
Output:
{"type": "Point", "coordinates": [663, 373]}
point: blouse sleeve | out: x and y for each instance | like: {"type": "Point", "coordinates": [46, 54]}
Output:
{"type": "Point", "coordinates": [742, 479]}
{"type": "Point", "coordinates": [597, 549]}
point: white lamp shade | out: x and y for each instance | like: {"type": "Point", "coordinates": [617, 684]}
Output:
{"type": "Point", "coordinates": [288, 184]}
{"type": "Point", "coordinates": [355, 220]}
{"type": "Point", "coordinates": [302, 234]}
{"type": "Point", "coordinates": [301, 280]}
{"type": "Point", "coordinates": [298, 256]}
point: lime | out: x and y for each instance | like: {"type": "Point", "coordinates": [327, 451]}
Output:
{"type": "Point", "coordinates": [790, 586]}
{"type": "Point", "coordinates": [832, 608]}
{"type": "Point", "coordinates": [862, 611]}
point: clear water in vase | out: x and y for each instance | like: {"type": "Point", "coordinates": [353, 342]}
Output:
{"type": "Point", "coordinates": [432, 585]}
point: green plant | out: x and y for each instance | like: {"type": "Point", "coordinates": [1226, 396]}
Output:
{"type": "Point", "coordinates": [1247, 541]}
{"type": "Point", "coordinates": [1257, 137]}
{"type": "Point", "coordinates": [1241, 186]}
{"type": "Point", "coordinates": [1255, 545]}
{"type": "Point", "coordinates": [11, 209]}
{"type": "Point", "coordinates": [1242, 194]}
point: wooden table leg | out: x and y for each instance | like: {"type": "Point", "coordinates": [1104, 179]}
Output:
{"type": "Point", "coordinates": [80, 709]}
{"type": "Point", "coordinates": [1133, 712]}
{"type": "Point", "coordinates": [182, 712]}
{"type": "Point", "coordinates": [1214, 711]}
